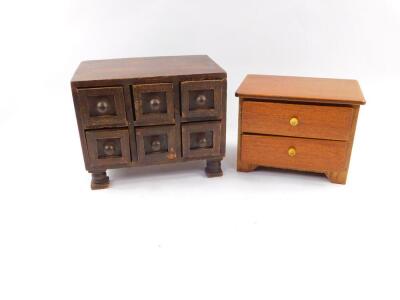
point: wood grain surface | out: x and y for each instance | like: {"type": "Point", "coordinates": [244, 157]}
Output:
{"type": "Point", "coordinates": [289, 88]}
{"type": "Point", "coordinates": [311, 154]}
{"type": "Point", "coordinates": [141, 97]}
{"type": "Point", "coordinates": [145, 67]}
{"type": "Point", "coordinates": [314, 121]}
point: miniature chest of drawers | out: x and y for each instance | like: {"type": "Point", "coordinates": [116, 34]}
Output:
{"type": "Point", "coordinates": [143, 111]}
{"type": "Point", "coordinates": [298, 123]}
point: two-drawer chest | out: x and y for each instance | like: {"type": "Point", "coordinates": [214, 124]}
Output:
{"type": "Point", "coordinates": [155, 110]}
{"type": "Point", "coordinates": [298, 123]}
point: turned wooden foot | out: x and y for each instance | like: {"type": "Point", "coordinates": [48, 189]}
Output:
{"type": "Point", "coordinates": [213, 168]}
{"type": "Point", "coordinates": [100, 180]}
{"type": "Point", "coordinates": [337, 177]}
{"type": "Point", "coordinates": [245, 167]}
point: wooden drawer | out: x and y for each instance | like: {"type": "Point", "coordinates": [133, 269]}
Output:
{"type": "Point", "coordinates": [294, 153]}
{"type": "Point", "coordinates": [156, 144]}
{"type": "Point", "coordinates": [154, 103]}
{"type": "Point", "coordinates": [297, 120]}
{"type": "Point", "coordinates": [131, 112]}
{"type": "Point", "coordinates": [108, 148]}
{"type": "Point", "coordinates": [202, 139]}
{"type": "Point", "coordinates": [202, 99]}
{"type": "Point", "coordinates": [102, 107]}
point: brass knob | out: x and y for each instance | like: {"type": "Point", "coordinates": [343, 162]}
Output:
{"type": "Point", "coordinates": [109, 149]}
{"type": "Point", "coordinates": [202, 142]}
{"type": "Point", "coordinates": [171, 154]}
{"type": "Point", "coordinates": [294, 121]}
{"type": "Point", "coordinates": [156, 145]}
{"type": "Point", "coordinates": [155, 104]}
{"type": "Point", "coordinates": [102, 106]}
{"type": "Point", "coordinates": [292, 151]}
{"type": "Point", "coordinates": [201, 100]}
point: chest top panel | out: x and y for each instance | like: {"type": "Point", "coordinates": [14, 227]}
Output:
{"type": "Point", "coordinates": [307, 89]}
{"type": "Point", "coordinates": [146, 67]}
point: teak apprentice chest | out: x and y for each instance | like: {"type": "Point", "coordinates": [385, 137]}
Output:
{"type": "Point", "coordinates": [141, 111]}
{"type": "Point", "coordinates": [298, 123]}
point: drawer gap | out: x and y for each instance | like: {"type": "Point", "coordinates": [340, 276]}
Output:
{"type": "Point", "coordinates": [201, 121]}
{"type": "Point", "coordinates": [295, 101]}
{"type": "Point", "coordinates": [293, 137]}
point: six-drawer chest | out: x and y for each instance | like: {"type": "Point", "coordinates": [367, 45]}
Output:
{"type": "Point", "coordinates": [298, 123]}
{"type": "Point", "coordinates": [142, 111]}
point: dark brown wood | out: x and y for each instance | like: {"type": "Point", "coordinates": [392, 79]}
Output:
{"type": "Point", "coordinates": [213, 168]}
{"type": "Point", "coordinates": [130, 112]}
{"type": "Point", "coordinates": [156, 144]}
{"type": "Point", "coordinates": [154, 104]}
{"type": "Point", "coordinates": [147, 67]}
{"type": "Point", "coordinates": [102, 107]}
{"type": "Point", "coordinates": [292, 133]}
{"type": "Point", "coordinates": [108, 147]}
{"type": "Point", "coordinates": [201, 140]}
{"type": "Point", "coordinates": [100, 180]}
{"type": "Point", "coordinates": [201, 98]}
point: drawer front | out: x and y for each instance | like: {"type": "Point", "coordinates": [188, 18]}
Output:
{"type": "Point", "coordinates": [102, 107]}
{"type": "Point", "coordinates": [202, 99]}
{"type": "Point", "coordinates": [108, 148]}
{"type": "Point", "coordinates": [297, 120]}
{"type": "Point", "coordinates": [294, 153]}
{"type": "Point", "coordinates": [154, 103]}
{"type": "Point", "coordinates": [156, 144]}
{"type": "Point", "coordinates": [201, 139]}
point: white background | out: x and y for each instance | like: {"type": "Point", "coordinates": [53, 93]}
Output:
{"type": "Point", "coordinates": [169, 232]}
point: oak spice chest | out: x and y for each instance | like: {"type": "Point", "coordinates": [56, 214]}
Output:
{"type": "Point", "coordinates": [144, 111]}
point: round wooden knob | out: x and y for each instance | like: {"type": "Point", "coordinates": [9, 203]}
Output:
{"type": "Point", "coordinates": [202, 142]}
{"type": "Point", "coordinates": [292, 151]}
{"type": "Point", "coordinates": [102, 106]}
{"type": "Point", "coordinates": [201, 100]}
{"type": "Point", "coordinates": [294, 121]}
{"type": "Point", "coordinates": [155, 104]}
{"type": "Point", "coordinates": [109, 149]}
{"type": "Point", "coordinates": [156, 145]}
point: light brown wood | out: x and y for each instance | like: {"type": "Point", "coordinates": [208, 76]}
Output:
{"type": "Point", "coordinates": [337, 177]}
{"type": "Point", "coordinates": [289, 88]}
{"type": "Point", "coordinates": [314, 121]}
{"type": "Point", "coordinates": [245, 167]}
{"type": "Point", "coordinates": [239, 139]}
{"type": "Point", "coordinates": [341, 177]}
{"type": "Point", "coordinates": [311, 154]}
{"type": "Point", "coordinates": [298, 123]}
